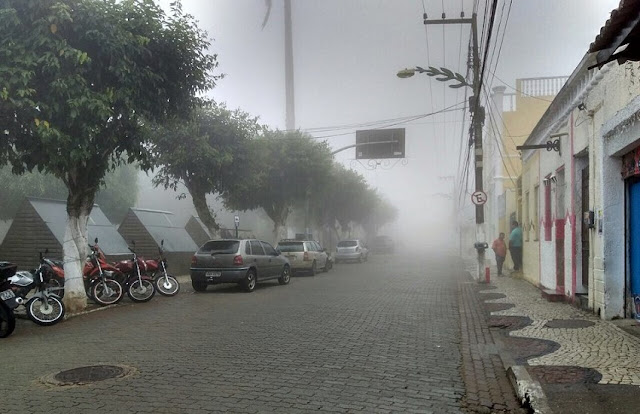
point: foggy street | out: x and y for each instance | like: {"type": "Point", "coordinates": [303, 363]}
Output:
{"type": "Point", "coordinates": [380, 336]}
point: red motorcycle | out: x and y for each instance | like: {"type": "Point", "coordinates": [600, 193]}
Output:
{"type": "Point", "coordinates": [138, 284]}
{"type": "Point", "coordinates": [166, 284]}
{"type": "Point", "coordinates": [97, 274]}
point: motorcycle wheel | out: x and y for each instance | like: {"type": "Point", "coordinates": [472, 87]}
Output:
{"type": "Point", "coordinates": [106, 292]}
{"type": "Point", "coordinates": [45, 311]}
{"type": "Point", "coordinates": [7, 320]}
{"type": "Point", "coordinates": [167, 286]}
{"type": "Point", "coordinates": [57, 285]}
{"type": "Point", "coordinates": [141, 292]}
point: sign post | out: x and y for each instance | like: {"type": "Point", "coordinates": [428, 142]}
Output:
{"type": "Point", "coordinates": [236, 219]}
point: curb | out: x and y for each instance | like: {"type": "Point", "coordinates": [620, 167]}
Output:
{"type": "Point", "coordinates": [528, 390]}
{"type": "Point", "coordinates": [85, 312]}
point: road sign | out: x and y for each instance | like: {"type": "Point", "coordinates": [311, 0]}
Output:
{"type": "Point", "coordinates": [236, 219]}
{"type": "Point", "coordinates": [479, 198]}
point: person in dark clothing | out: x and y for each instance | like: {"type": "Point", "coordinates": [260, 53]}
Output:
{"type": "Point", "coordinates": [515, 246]}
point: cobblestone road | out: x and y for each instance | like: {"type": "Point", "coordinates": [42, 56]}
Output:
{"type": "Point", "coordinates": [382, 336]}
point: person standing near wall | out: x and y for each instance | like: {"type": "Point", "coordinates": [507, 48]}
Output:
{"type": "Point", "coordinates": [515, 246]}
{"type": "Point", "coordinates": [500, 249]}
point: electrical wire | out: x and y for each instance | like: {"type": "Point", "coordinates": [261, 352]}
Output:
{"type": "Point", "coordinates": [450, 108]}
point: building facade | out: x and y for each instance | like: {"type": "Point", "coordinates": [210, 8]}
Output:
{"type": "Point", "coordinates": [586, 188]}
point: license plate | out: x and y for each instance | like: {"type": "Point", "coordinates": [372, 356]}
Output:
{"type": "Point", "coordinates": [7, 294]}
{"type": "Point", "coordinates": [213, 274]}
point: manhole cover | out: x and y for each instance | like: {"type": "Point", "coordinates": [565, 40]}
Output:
{"type": "Point", "coordinates": [568, 323]}
{"type": "Point", "coordinates": [88, 375]}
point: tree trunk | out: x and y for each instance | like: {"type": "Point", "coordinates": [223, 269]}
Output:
{"type": "Point", "coordinates": [76, 249]}
{"type": "Point", "coordinates": [204, 213]}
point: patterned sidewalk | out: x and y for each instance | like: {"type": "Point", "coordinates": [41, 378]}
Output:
{"type": "Point", "coordinates": [572, 337]}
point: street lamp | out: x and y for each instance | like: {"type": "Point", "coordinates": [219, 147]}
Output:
{"type": "Point", "coordinates": [406, 73]}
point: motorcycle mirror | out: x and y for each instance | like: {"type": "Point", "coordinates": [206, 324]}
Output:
{"type": "Point", "coordinates": [46, 251]}
{"type": "Point", "coordinates": [96, 240]}
{"type": "Point", "coordinates": [133, 243]}
{"type": "Point", "coordinates": [162, 242]}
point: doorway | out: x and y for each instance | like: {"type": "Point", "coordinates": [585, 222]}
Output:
{"type": "Point", "coordinates": [584, 236]}
{"type": "Point", "coordinates": [633, 231]}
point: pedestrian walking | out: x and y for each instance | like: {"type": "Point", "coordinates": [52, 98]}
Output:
{"type": "Point", "coordinates": [500, 249]}
{"type": "Point", "coordinates": [515, 246]}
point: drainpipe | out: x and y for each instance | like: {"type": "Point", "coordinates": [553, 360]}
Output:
{"type": "Point", "coordinates": [572, 213]}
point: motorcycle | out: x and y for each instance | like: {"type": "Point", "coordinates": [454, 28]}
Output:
{"type": "Point", "coordinates": [139, 285]}
{"type": "Point", "coordinates": [100, 278]}
{"type": "Point", "coordinates": [44, 307]}
{"type": "Point", "coordinates": [166, 284]}
{"type": "Point", "coordinates": [8, 300]}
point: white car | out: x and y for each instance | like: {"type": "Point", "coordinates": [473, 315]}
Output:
{"type": "Point", "coordinates": [351, 250]}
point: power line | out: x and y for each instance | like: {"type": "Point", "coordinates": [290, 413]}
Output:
{"type": "Point", "coordinates": [450, 108]}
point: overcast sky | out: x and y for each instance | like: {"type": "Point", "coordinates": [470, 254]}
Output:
{"type": "Point", "coordinates": [347, 54]}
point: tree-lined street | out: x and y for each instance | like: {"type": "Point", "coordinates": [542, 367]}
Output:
{"type": "Point", "coordinates": [382, 336]}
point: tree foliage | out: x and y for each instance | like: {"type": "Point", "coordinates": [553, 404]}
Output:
{"type": "Point", "coordinates": [282, 169]}
{"type": "Point", "coordinates": [116, 195]}
{"type": "Point", "coordinates": [83, 81]}
{"type": "Point", "coordinates": [207, 154]}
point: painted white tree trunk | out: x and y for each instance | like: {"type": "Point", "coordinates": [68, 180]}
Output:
{"type": "Point", "coordinates": [75, 251]}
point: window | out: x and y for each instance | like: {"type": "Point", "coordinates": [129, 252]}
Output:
{"type": "Point", "coordinates": [526, 225]}
{"type": "Point", "coordinates": [247, 248]}
{"type": "Point", "coordinates": [348, 243]}
{"type": "Point", "coordinates": [311, 247]}
{"type": "Point", "coordinates": [536, 215]}
{"type": "Point", "coordinates": [256, 248]}
{"type": "Point", "coordinates": [547, 211]}
{"type": "Point", "coordinates": [220, 246]}
{"type": "Point", "coordinates": [268, 249]}
{"type": "Point", "coordinates": [291, 247]}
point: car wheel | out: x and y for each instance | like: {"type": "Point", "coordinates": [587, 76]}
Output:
{"type": "Point", "coordinates": [199, 286]}
{"type": "Point", "coordinates": [285, 278]}
{"type": "Point", "coordinates": [314, 268]}
{"type": "Point", "coordinates": [327, 265]}
{"type": "Point", "coordinates": [250, 280]}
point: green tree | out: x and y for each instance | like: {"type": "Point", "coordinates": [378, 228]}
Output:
{"type": "Point", "coordinates": [83, 81]}
{"type": "Point", "coordinates": [347, 200]}
{"type": "Point", "coordinates": [207, 154]}
{"type": "Point", "coordinates": [283, 169]}
{"type": "Point", "coordinates": [383, 212]}
{"type": "Point", "coordinates": [116, 195]}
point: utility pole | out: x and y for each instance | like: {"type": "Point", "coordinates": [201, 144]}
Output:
{"type": "Point", "coordinates": [477, 119]}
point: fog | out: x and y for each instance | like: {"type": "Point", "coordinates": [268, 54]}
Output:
{"type": "Point", "coordinates": [346, 56]}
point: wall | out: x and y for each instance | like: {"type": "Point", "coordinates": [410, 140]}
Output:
{"type": "Point", "coordinates": [531, 226]}
{"type": "Point", "coordinates": [27, 236]}
{"type": "Point", "coordinates": [613, 107]}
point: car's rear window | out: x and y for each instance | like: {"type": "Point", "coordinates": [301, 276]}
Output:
{"type": "Point", "coordinates": [348, 243]}
{"type": "Point", "coordinates": [291, 247]}
{"type": "Point", "coordinates": [220, 246]}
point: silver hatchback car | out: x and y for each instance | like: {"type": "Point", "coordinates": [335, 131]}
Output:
{"type": "Point", "coordinates": [351, 250]}
{"type": "Point", "coordinates": [244, 261]}
{"type": "Point", "coordinates": [305, 256]}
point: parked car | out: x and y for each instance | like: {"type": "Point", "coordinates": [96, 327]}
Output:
{"type": "Point", "coordinates": [244, 261]}
{"type": "Point", "coordinates": [382, 244]}
{"type": "Point", "coordinates": [305, 256]}
{"type": "Point", "coordinates": [349, 250]}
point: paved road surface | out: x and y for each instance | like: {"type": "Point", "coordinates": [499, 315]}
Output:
{"type": "Point", "coordinates": [381, 336]}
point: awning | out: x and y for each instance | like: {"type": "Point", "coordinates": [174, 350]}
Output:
{"type": "Point", "coordinates": [619, 38]}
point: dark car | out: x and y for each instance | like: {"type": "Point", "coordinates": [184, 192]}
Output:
{"type": "Point", "coordinates": [382, 244]}
{"type": "Point", "coordinates": [238, 261]}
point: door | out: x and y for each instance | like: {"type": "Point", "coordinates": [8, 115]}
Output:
{"type": "Point", "coordinates": [259, 259]}
{"type": "Point", "coordinates": [634, 244]}
{"type": "Point", "coordinates": [585, 227]}
{"type": "Point", "coordinates": [272, 260]}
